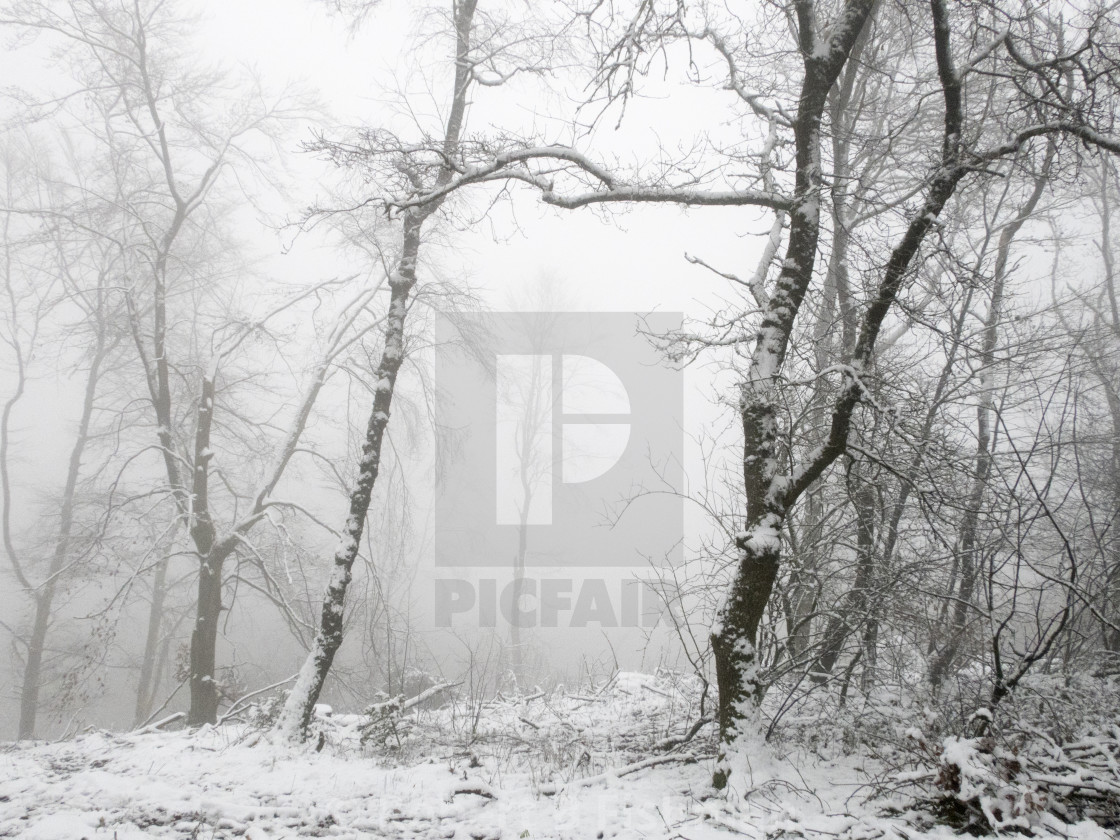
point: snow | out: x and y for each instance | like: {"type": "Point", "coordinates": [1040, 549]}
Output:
{"type": "Point", "coordinates": [291, 716]}
{"type": "Point", "coordinates": [810, 210]}
{"type": "Point", "coordinates": [764, 365]}
{"type": "Point", "coordinates": [223, 782]}
{"type": "Point", "coordinates": [765, 535]}
{"type": "Point", "coordinates": [568, 763]}
{"type": "Point", "coordinates": [61, 827]}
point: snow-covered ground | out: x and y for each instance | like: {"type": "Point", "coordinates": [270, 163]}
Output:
{"type": "Point", "coordinates": [585, 764]}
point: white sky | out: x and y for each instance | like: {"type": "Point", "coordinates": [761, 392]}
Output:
{"type": "Point", "coordinates": [636, 264]}
{"type": "Point", "coordinates": [633, 263]}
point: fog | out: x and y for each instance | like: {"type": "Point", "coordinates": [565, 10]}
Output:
{"type": "Point", "coordinates": [385, 360]}
{"type": "Point", "coordinates": [519, 256]}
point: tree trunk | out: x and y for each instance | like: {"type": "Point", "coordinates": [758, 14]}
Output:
{"type": "Point", "coordinates": [300, 705]}
{"type": "Point", "coordinates": [967, 554]}
{"type": "Point", "coordinates": [853, 610]}
{"type": "Point", "coordinates": [769, 495]}
{"type": "Point", "coordinates": [44, 600]}
{"type": "Point", "coordinates": [1111, 630]}
{"type": "Point", "coordinates": [212, 554]}
{"type": "Point", "coordinates": [515, 641]}
{"type": "Point", "coordinates": [1107, 376]}
{"type": "Point", "coordinates": [145, 691]}
{"type": "Point", "coordinates": [32, 669]}
{"type": "Point", "coordinates": [531, 424]}
{"type": "Point", "coordinates": [204, 641]}
{"type": "Point", "coordinates": [734, 647]}
{"type": "Point", "coordinates": [838, 304]}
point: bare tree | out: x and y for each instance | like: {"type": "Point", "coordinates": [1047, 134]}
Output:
{"type": "Point", "coordinates": [300, 704]}
{"type": "Point", "coordinates": [1090, 316]}
{"type": "Point", "coordinates": [489, 51]}
{"type": "Point", "coordinates": [1050, 89]}
{"type": "Point", "coordinates": [168, 136]}
{"type": "Point", "coordinates": [1101, 347]}
{"type": "Point", "coordinates": [51, 270]}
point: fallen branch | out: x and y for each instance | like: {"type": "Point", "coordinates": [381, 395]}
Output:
{"type": "Point", "coordinates": [161, 723]}
{"type": "Point", "coordinates": [383, 715]}
{"type": "Point", "coordinates": [163, 705]}
{"type": "Point", "coordinates": [399, 704]}
{"type": "Point", "coordinates": [475, 788]}
{"type": "Point", "coordinates": [674, 741]}
{"type": "Point", "coordinates": [553, 789]}
{"type": "Point", "coordinates": [234, 708]}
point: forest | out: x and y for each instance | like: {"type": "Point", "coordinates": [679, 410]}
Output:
{"type": "Point", "coordinates": [617, 418]}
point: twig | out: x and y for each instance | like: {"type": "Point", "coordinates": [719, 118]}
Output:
{"type": "Point", "coordinates": [399, 704]}
{"type": "Point", "coordinates": [243, 698]}
{"type": "Point", "coordinates": [161, 723]}
{"type": "Point", "coordinates": [675, 741]}
{"type": "Point", "coordinates": [553, 789]}
{"type": "Point", "coordinates": [165, 702]}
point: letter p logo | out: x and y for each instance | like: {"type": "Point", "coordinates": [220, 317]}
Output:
{"type": "Point", "coordinates": [551, 425]}
{"type": "Point", "coordinates": [559, 418]}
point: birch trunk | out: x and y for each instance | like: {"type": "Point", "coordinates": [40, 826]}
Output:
{"type": "Point", "coordinates": [300, 705]}
{"type": "Point", "coordinates": [298, 709]}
